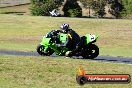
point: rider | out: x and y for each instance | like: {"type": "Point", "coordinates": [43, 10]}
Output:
{"type": "Point", "coordinates": [73, 37]}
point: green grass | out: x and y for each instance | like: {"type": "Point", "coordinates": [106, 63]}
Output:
{"type": "Point", "coordinates": [23, 33]}
{"type": "Point", "coordinates": [54, 72]}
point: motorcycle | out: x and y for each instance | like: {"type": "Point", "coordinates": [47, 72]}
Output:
{"type": "Point", "coordinates": [53, 43]}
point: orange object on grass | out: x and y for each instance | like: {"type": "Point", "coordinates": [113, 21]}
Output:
{"type": "Point", "coordinates": [81, 71]}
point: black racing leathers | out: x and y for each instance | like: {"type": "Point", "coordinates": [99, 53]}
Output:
{"type": "Point", "coordinates": [73, 39]}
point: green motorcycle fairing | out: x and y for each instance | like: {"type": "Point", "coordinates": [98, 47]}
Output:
{"type": "Point", "coordinates": [45, 42]}
{"type": "Point", "coordinates": [91, 38]}
{"type": "Point", "coordinates": [58, 50]}
{"type": "Point", "coordinates": [62, 37]}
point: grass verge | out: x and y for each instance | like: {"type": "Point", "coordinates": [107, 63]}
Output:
{"type": "Point", "coordinates": [46, 72]}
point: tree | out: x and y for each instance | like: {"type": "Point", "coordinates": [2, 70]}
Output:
{"type": "Point", "coordinates": [42, 7]}
{"type": "Point", "coordinates": [99, 7]}
{"type": "Point", "coordinates": [128, 7]}
{"type": "Point", "coordinates": [116, 7]}
{"type": "Point", "coordinates": [87, 4]}
{"type": "Point", "coordinates": [72, 9]}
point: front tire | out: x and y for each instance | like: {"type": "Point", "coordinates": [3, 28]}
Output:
{"type": "Point", "coordinates": [40, 50]}
{"type": "Point", "coordinates": [90, 52]}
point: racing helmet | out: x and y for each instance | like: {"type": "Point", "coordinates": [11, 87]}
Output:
{"type": "Point", "coordinates": [64, 27]}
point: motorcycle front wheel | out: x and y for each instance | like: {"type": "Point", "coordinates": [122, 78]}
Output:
{"type": "Point", "coordinates": [40, 50]}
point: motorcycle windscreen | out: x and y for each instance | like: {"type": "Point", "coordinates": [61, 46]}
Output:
{"type": "Point", "coordinates": [63, 37]}
{"type": "Point", "coordinates": [45, 41]}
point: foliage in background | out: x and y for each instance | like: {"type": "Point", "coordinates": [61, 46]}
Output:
{"type": "Point", "coordinates": [128, 8]}
{"type": "Point", "coordinates": [72, 9]}
{"type": "Point", "coordinates": [42, 7]}
{"type": "Point", "coordinates": [99, 7]}
{"type": "Point", "coordinates": [116, 8]}
{"type": "Point", "coordinates": [73, 12]}
{"type": "Point", "coordinates": [87, 4]}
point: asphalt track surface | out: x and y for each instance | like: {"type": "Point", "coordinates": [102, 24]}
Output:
{"type": "Point", "coordinates": [99, 58]}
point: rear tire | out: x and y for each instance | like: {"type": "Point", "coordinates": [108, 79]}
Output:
{"type": "Point", "coordinates": [40, 50]}
{"type": "Point", "coordinates": [90, 52]}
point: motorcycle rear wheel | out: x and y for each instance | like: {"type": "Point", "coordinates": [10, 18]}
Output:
{"type": "Point", "coordinates": [90, 52]}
